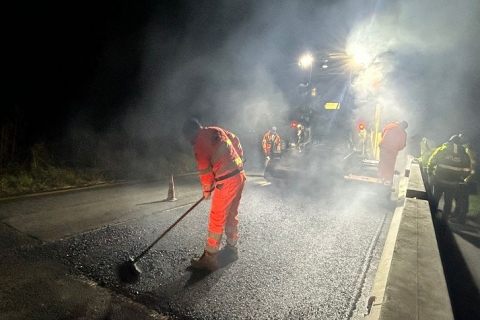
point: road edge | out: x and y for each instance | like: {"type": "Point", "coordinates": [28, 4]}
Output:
{"type": "Point", "coordinates": [410, 281]}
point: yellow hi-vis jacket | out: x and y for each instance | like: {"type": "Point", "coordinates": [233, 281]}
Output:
{"type": "Point", "coordinates": [449, 164]}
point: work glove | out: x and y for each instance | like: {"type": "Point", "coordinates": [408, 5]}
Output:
{"type": "Point", "coordinates": [207, 194]}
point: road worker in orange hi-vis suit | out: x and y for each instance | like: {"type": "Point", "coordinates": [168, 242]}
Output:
{"type": "Point", "coordinates": [219, 157]}
{"type": "Point", "coordinates": [270, 143]}
{"type": "Point", "coordinates": [394, 139]}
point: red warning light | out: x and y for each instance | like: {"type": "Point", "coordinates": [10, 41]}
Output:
{"type": "Point", "coordinates": [361, 126]}
{"type": "Point", "coordinates": [293, 124]}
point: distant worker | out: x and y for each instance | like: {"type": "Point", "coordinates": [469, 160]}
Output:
{"type": "Point", "coordinates": [394, 139]}
{"type": "Point", "coordinates": [468, 187]}
{"type": "Point", "coordinates": [300, 137]}
{"type": "Point", "coordinates": [448, 166]}
{"type": "Point", "coordinates": [414, 146]}
{"type": "Point", "coordinates": [270, 144]}
{"type": "Point", "coordinates": [219, 158]}
{"type": "Point", "coordinates": [471, 180]}
{"type": "Point", "coordinates": [427, 147]}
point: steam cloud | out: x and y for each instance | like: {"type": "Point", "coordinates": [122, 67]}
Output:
{"type": "Point", "coordinates": [234, 64]}
{"type": "Point", "coordinates": [238, 65]}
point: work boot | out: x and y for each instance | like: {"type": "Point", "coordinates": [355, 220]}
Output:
{"type": "Point", "coordinates": [231, 252]}
{"type": "Point", "coordinates": [207, 261]}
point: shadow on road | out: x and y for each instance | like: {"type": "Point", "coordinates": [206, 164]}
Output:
{"type": "Point", "coordinates": [153, 202]}
{"type": "Point", "coordinates": [223, 259]}
{"type": "Point", "coordinates": [464, 295]}
{"type": "Point", "coordinates": [468, 233]}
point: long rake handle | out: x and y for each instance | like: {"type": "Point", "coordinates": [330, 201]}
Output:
{"type": "Point", "coordinates": [169, 228]}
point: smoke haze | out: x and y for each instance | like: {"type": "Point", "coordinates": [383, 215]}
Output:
{"type": "Point", "coordinates": [236, 61]}
{"type": "Point", "coordinates": [235, 64]}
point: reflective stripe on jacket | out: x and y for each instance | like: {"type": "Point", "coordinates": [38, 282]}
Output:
{"type": "Point", "coordinates": [218, 153]}
{"type": "Point", "coordinates": [449, 163]}
{"type": "Point", "coordinates": [270, 140]}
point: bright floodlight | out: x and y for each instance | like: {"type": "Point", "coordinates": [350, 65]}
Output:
{"type": "Point", "coordinates": [306, 61]}
{"type": "Point", "coordinates": [362, 57]}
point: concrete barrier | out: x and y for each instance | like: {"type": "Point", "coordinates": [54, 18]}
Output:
{"type": "Point", "coordinates": [410, 283]}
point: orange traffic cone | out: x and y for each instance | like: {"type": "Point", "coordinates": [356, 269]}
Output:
{"type": "Point", "coordinates": [171, 190]}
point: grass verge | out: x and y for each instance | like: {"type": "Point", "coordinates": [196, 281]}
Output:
{"type": "Point", "coordinates": [44, 177]}
{"type": "Point", "coordinates": [474, 207]}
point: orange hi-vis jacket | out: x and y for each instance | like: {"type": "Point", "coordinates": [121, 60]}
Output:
{"type": "Point", "coordinates": [270, 140]}
{"type": "Point", "coordinates": [394, 137]}
{"type": "Point", "coordinates": [219, 155]}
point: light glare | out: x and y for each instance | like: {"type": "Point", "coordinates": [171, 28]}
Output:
{"type": "Point", "coordinates": [306, 61]}
{"type": "Point", "coordinates": [362, 57]}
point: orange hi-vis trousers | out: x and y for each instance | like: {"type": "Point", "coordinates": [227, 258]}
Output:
{"type": "Point", "coordinates": [386, 165]}
{"type": "Point", "coordinates": [224, 212]}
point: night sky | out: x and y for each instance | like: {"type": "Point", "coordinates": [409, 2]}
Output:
{"type": "Point", "coordinates": [78, 60]}
{"type": "Point", "coordinates": [137, 68]}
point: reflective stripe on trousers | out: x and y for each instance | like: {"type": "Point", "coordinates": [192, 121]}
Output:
{"type": "Point", "coordinates": [224, 212]}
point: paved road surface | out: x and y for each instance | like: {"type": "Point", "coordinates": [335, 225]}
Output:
{"type": "Point", "coordinates": [303, 255]}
